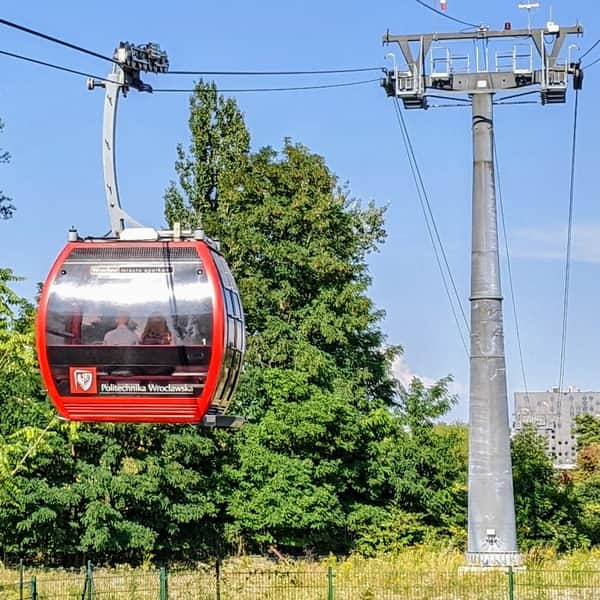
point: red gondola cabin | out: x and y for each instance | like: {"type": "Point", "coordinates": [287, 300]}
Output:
{"type": "Point", "coordinates": [145, 331]}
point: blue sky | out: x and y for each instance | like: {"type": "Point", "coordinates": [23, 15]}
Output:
{"type": "Point", "coordinates": [53, 127]}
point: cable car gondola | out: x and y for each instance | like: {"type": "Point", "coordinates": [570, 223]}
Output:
{"type": "Point", "coordinates": [141, 326]}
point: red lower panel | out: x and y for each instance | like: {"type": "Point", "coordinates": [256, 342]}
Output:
{"type": "Point", "coordinates": [134, 411]}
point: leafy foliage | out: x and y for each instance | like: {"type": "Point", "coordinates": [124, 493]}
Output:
{"type": "Point", "coordinates": [7, 208]}
{"type": "Point", "coordinates": [586, 478]}
{"type": "Point", "coordinates": [587, 430]}
{"type": "Point", "coordinates": [336, 456]}
{"type": "Point", "coordinates": [547, 511]}
{"type": "Point", "coordinates": [316, 365]}
{"type": "Point", "coordinates": [419, 468]}
{"type": "Point", "coordinates": [25, 416]}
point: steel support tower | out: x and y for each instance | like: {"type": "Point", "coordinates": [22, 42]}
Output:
{"type": "Point", "coordinates": [432, 69]}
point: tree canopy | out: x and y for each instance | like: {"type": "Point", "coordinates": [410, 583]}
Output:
{"type": "Point", "coordinates": [317, 365]}
{"type": "Point", "coordinates": [336, 455]}
{"type": "Point", "coordinates": [546, 507]}
{"type": "Point", "coordinates": [7, 208]}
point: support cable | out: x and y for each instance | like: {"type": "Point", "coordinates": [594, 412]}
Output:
{"type": "Point", "coordinates": [563, 347]}
{"type": "Point", "coordinates": [516, 102]}
{"type": "Point", "coordinates": [432, 227]}
{"type": "Point", "coordinates": [189, 90]}
{"type": "Point", "coordinates": [589, 50]}
{"type": "Point", "coordinates": [449, 105]}
{"type": "Point", "coordinates": [592, 63]}
{"type": "Point", "coordinates": [83, 50]}
{"type": "Point", "coordinates": [508, 262]}
{"type": "Point", "coordinates": [276, 73]}
{"type": "Point", "coordinates": [272, 89]}
{"type": "Point", "coordinates": [430, 212]}
{"type": "Point", "coordinates": [51, 65]}
{"type": "Point", "coordinates": [519, 95]}
{"type": "Point", "coordinates": [453, 98]}
{"type": "Point", "coordinates": [443, 14]}
{"type": "Point", "coordinates": [56, 40]}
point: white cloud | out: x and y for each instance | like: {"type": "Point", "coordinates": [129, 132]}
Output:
{"type": "Point", "coordinates": [404, 374]}
{"type": "Point", "coordinates": [549, 243]}
{"type": "Point", "coordinates": [402, 371]}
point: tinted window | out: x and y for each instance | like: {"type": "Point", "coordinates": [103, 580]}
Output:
{"type": "Point", "coordinates": [87, 301]}
{"type": "Point", "coordinates": [131, 316]}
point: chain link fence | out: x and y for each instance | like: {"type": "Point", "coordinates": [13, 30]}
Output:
{"type": "Point", "coordinates": [305, 582]}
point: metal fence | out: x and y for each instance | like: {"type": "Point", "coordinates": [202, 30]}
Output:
{"type": "Point", "coordinates": [305, 582]}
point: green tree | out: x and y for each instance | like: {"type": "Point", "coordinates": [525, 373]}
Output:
{"type": "Point", "coordinates": [335, 456]}
{"type": "Point", "coordinates": [215, 167]}
{"type": "Point", "coordinates": [21, 396]}
{"type": "Point", "coordinates": [70, 491]}
{"type": "Point", "coordinates": [546, 507]}
{"type": "Point", "coordinates": [587, 430]}
{"type": "Point", "coordinates": [25, 418]}
{"type": "Point", "coordinates": [317, 364]}
{"type": "Point", "coordinates": [417, 475]}
{"type": "Point", "coordinates": [586, 478]}
{"type": "Point", "coordinates": [7, 208]}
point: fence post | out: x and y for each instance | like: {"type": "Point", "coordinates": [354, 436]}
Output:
{"type": "Point", "coordinates": [33, 588]}
{"type": "Point", "coordinates": [330, 588]}
{"type": "Point", "coordinates": [218, 578]}
{"type": "Point", "coordinates": [21, 579]}
{"type": "Point", "coordinates": [164, 584]}
{"type": "Point", "coordinates": [511, 584]}
{"type": "Point", "coordinates": [89, 580]}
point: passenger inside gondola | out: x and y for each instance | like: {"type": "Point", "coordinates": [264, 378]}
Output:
{"type": "Point", "coordinates": [121, 335]}
{"type": "Point", "coordinates": [157, 331]}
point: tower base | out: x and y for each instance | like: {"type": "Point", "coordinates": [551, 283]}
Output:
{"type": "Point", "coordinates": [494, 559]}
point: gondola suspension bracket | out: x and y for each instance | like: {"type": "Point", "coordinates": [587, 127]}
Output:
{"type": "Point", "coordinates": [129, 61]}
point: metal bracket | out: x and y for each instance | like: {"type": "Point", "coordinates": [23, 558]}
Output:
{"type": "Point", "coordinates": [223, 421]}
{"type": "Point", "coordinates": [129, 61]}
{"type": "Point", "coordinates": [407, 85]}
{"type": "Point", "coordinates": [448, 75]}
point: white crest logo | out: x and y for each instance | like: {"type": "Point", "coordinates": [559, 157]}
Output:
{"type": "Point", "coordinates": [84, 379]}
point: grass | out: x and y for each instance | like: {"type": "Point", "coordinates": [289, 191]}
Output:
{"type": "Point", "coordinates": [415, 574]}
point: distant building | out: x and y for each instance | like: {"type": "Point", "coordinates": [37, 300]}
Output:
{"type": "Point", "coordinates": [553, 416]}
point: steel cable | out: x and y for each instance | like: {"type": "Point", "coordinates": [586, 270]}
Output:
{"type": "Point", "coordinates": [51, 65]}
{"type": "Point", "coordinates": [508, 262]}
{"type": "Point", "coordinates": [565, 319]}
{"type": "Point", "coordinates": [447, 16]}
{"type": "Point", "coordinates": [190, 90]}
{"type": "Point", "coordinates": [56, 40]}
{"type": "Point", "coordinates": [277, 73]}
{"type": "Point", "coordinates": [432, 227]}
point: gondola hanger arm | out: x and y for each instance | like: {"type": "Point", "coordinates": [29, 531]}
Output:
{"type": "Point", "coordinates": [130, 61]}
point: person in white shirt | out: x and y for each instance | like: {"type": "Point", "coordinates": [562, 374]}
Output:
{"type": "Point", "coordinates": [121, 335]}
